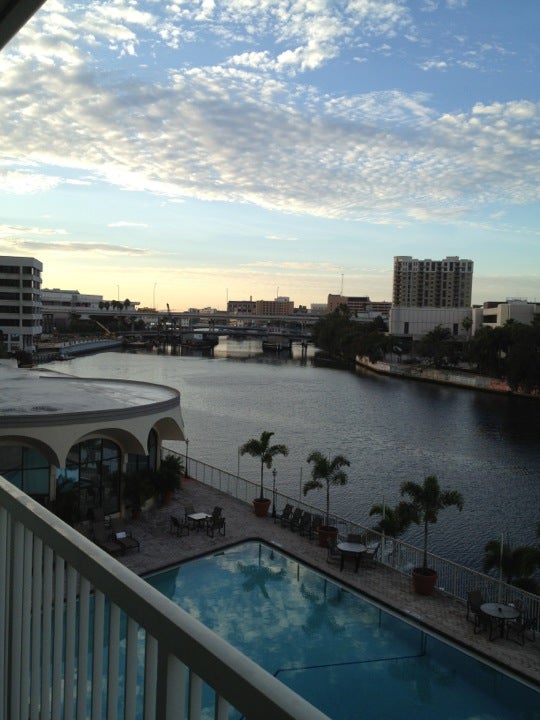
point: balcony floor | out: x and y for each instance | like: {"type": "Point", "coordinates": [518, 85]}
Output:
{"type": "Point", "coordinates": [445, 615]}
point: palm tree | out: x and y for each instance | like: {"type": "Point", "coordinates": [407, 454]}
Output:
{"type": "Point", "coordinates": [326, 471]}
{"type": "Point", "coordinates": [516, 564]}
{"type": "Point", "coordinates": [261, 448]}
{"type": "Point", "coordinates": [426, 501]}
{"type": "Point", "coordinates": [394, 521]}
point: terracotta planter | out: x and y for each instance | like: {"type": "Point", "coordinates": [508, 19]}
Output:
{"type": "Point", "coordinates": [424, 581]}
{"type": "Point", "coordinates": [327, 533]}
{"type": "Point", "coordinates": [261, 506]}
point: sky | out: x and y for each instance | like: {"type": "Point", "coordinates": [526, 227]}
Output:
{"type": "Point", "coordinates": [192, 153]}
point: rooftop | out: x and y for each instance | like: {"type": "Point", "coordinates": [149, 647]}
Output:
{"type": "Point", "coordinates": [438, 612]}
{"type": "Point", "coordinates": [46, 396]}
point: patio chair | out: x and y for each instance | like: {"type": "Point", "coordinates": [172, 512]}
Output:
{"type": "Point", "coordinates": [215, 523]}
{"type": "Point", "coordinates": [316, 523]}
{"type": "Point", "coordinates": [368, 556]}
{"type": "Point", "coordinates": [304, 526]}
{"type": "Point", "coordinates": [285, 516]}
{"type": "Point", "coordinates": [333, 555]}
{"type": "Point", "coordinates": [178, 527]}
{"type": "Point", "coordinates": [474, 601]}
{"type": "Point", "coordinates": [189, 510]}
{"type": "Point", "coordinates": [520, 627]}
{"type": "Point", "coordinates": [104, 539]}
{"type": "Point", "coordinates": [294, 522]}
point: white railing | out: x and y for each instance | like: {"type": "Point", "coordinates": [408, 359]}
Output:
{"type": "Point", "coordinates": [81, 636]}
{"type": "Point", "coordinates": [452, 579]}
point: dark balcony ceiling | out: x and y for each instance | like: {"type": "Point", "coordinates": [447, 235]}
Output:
{"type": "Point", "coordinates": [13, 15]}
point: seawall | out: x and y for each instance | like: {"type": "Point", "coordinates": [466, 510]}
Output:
{"type": "Point", "coordinates": [443, 377]}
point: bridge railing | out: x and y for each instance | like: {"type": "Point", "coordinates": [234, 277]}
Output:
{"type": "Point", "coordinates": [83, 637]}
{"type": "Point", "coordinates": [453, 579]}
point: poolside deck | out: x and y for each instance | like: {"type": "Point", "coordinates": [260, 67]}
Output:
{"type": "Point", "coordinates": [444, 615]}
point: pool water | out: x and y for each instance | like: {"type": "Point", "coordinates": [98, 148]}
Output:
{"type": "Point", "coordinates": [342, 653]}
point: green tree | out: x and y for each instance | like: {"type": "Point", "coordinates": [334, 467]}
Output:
{"type": "Point", "coordinates": [261, 448]}
{"type": "Point", "coordinates": [436, 345]}
{"type": "Point", "coordinates": [326, 472]}
{"type": "Point", "coordinates": [425, 502]}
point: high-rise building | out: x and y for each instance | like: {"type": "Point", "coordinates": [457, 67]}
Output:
{"type": "Point", "coordinates": [20, 302]}
{"type": "Point", "coordinates": [432, 283]}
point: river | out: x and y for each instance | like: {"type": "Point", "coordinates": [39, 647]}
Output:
{"type": "Point", "coordinates": [390, 429]}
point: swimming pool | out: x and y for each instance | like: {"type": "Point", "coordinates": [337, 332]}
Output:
{"type": "Point", "coordinates": [342, 653]}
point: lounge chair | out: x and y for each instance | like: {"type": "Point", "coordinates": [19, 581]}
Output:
{"type": "Point", "coordinates": [104, 539]}
{"type": "Point", "coordinates": [122, 535]}
{"type": "Point", "coordinates": [178, 527]}
{"type": "Point", "coordinates": [295, 519]}
{"type": "Point", "coordinates": [285, 516]}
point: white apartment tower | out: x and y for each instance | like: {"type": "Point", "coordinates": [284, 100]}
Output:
{"type": "Point", "coordinates": [432, 283]}
{"type": "Point", "coordinates": [20, 302]}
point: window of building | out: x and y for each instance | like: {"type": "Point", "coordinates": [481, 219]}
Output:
{"type": "Point", "coordinates": [93, 471]}
{"type": "Point", "coordinates": [26, 468]}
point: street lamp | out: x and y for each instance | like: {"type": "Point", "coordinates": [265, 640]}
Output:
{"type": "Point", "coordinates": [118, 296]}
{"type": "Point", "coordinates": [187, 456]}
{"type": "Point", "coordinates": [238, 465]}
{"type": "Point", "coordinates": [274, 473]}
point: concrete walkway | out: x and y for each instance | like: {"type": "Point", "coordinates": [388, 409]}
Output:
{"type": "Point", "coordinates": [446, 616]}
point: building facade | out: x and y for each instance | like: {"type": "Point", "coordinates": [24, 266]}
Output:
{"type": "Point", "coordinates": [279, 306]}
{"type": "Point", "coordinates": [361, 304]}
{"type": "Point", "coordinates": [432, 283]}
{"type": "Point", "coordinates": [20, 302]}
{"type": "Point", "coordinates": [496, 314]}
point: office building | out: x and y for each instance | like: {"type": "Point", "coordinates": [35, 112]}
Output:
{"type": "Point", "coordinates": [20, 302]}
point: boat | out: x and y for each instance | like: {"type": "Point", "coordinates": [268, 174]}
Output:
{"type": "Point", "coordinates": [274, 342]}
{"type": "Point", "coordinates": [199, 341]}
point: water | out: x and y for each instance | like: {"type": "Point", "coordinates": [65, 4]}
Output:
{"type": "Point", "coordinates": [343, 654]}
{"type": "Point", "coordinates": [392, 430]}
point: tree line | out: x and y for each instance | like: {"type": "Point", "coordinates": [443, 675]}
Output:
{"type": "Point", "coordinates": [510, 352]}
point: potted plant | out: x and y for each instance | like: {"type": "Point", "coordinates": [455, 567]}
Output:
{"type": "Point", "coordinates": [329, 472]}
{"type": "Point", "coordinates": [426, 501]}
{"type": "Point", "coordinates": [167, 477]}
{"type": "Point", "coordinates": [261, 448]}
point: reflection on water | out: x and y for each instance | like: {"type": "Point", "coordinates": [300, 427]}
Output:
{"type": "Point", "coordinates": [392, 430]}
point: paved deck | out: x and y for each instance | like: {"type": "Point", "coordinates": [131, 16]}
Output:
{"type": "Point", "coordinates": [444, 615]}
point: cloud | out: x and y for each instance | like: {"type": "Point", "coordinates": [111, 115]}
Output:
{"type": "Point", "coordinates": [246, 130]}
{"type": "Point", "coordinates": [105, 249]}
{"type": "Point", "coordinates": [126, 223]}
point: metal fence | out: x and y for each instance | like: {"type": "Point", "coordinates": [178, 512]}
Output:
{"type": "Point", "coordinates": [453, 579]}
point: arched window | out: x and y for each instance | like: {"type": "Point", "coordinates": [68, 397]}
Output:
{"type": "Point", "coordinates": [145, 462]}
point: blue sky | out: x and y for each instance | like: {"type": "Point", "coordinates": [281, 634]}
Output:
{"type": "Point", "coordinates": [194, 152]}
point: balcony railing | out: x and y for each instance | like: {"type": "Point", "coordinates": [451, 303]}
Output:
{"type": "Point", "coordinates": [81, 636]}
{"type": "Point", "coordinates": [452, 579]}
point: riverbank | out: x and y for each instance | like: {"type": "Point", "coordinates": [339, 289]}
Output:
{"type": "Point", "coordinates": [451, 377]}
